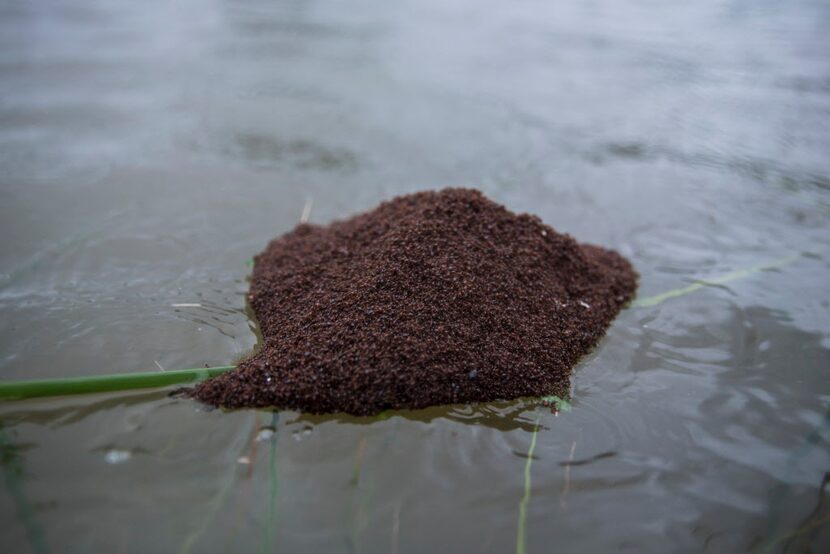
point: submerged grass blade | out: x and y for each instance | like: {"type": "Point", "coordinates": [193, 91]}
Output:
{"type": "Point", "coordinates": [365, 487]}
{"type": "Point", "coordinates": [358, 461]}
{"type": "Point", "coordinates": [218, 500]}
{"type": "Point", "coordinates": [558, 404]}
{"type": "Point", "coordinates": [697, 285]}
{"type": "Point", "coordinates": [19, 390]}
{"type": "Point", "coordinates": [12, 464]}
{"type": "Point", "coordinates": [809, 526]}
{"type": "Point", "coordinates": [273, 488]}
{"type": "Point", "coordinates": [521, 533]}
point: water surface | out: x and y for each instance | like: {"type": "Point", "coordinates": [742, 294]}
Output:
{"type": "Point", "coordinates": [147, 150]}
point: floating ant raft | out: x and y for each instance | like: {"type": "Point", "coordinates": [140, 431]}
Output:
{"type": "Point", "coordinates": [431, 298]}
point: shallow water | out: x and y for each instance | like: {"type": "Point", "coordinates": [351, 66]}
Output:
{"type": "Point", "coordinates": [147, 150]}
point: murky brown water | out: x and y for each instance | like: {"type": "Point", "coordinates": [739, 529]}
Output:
{"type": "Point", "coordinates": [147, 150]}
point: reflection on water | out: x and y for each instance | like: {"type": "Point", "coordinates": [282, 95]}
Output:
{"type": "Point", "coordinates": [148, 150]}
{"type": "Point", "coordinates": [262, 150]}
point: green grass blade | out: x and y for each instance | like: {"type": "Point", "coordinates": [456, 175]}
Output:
{"type": "Point", "coordinates": [697, 285]}
{"type": "Point", "coordinates": [18, 390]}
{"type": "Point", "coordinates": [521, 531]}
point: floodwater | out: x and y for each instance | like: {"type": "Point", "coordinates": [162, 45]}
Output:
{"type": "Point", "coordinates": [149, 149]}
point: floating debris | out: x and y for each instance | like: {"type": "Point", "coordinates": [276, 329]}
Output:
{"type": "Point", "coordinates": [117, 456]}
{"type": "Point", "coordinates": [301, 434]}
{"type": "Point", "coordinates": [265, 434]}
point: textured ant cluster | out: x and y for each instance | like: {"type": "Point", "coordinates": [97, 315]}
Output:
{"type": "Point", "coordinates": [431, 298]}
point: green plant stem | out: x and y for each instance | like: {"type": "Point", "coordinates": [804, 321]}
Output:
{"type": "Point", "coordinates": [18, 390]}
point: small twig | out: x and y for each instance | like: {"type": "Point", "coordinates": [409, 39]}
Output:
{"type": "Point", "coordinates": [158, 365]}
{"type": "Point", "coordinates": [309, 202]}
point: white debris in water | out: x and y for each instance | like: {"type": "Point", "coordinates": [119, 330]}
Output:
{"type": "Point", "coordinates": [265, 434]}
{"type": "Point", "coordinates": [584, 304]}
{"type": "Point", "coordinates": [301, 434]}
{"type": "Point", "coordinates": [187, 305]}
{"type": "Point", "coordinates": [115, 456]}
{"type": "Point", "coordinates": [245, 460]}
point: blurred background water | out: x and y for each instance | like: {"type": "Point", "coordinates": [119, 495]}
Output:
{"type": "Point", "coordinates": [147, 150]}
